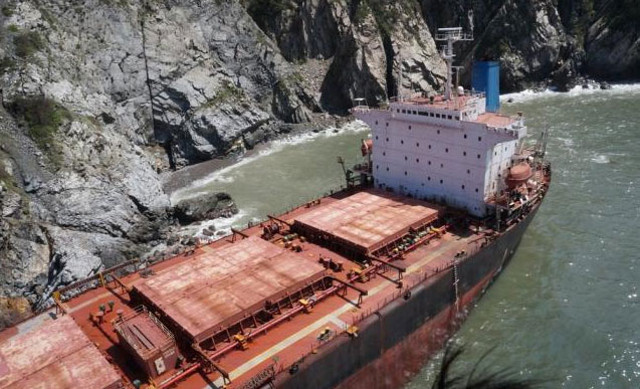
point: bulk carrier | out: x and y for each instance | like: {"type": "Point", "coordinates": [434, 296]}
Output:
{"type": "Point", "coordinates": [352, 290]}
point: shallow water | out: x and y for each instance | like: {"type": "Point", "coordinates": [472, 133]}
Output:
{"type": "Point", "coordinates": [566, 308]}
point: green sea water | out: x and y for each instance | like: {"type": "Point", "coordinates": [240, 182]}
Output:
{"type": "Point", "coordinates": [567, 308]}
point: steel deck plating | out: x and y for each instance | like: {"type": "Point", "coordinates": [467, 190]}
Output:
{"type": "Point", "coordinates": [56, 354]}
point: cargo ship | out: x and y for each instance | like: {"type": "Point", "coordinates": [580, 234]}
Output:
{"type": "Point", "coordinates": [356, 289]}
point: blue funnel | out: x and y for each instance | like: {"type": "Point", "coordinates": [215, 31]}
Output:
{"type": "Point", "coordinates": [485, 77]}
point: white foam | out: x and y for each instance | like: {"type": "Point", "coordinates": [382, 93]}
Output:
{"type": "Point", "coordinates": [602, 159]}
{"type": "Point", "coordinates": [222, 225]}
{"type": "Point", "coordinates": [528, 94]}
{"type": "Point", "coordinates": [224, 175]}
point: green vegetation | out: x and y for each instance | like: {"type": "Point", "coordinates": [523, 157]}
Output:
{"type": "Point", "coordinates": [118, 3]}
{"type": "Point", "coordinates": [227, 92]}
{"type": "Point", "coordinates": [13, 28]}
{"type": "Point", "coordinates": [7, 64]}
{"type": "Point", "coordinates": [7, 10]}
{"type": "Point", "coordinates": [7, 179]}
{"type": "Point", "coordinates": [387, 14]}
{"type": "Point", "coordinates": [362, 11]}
{"type": "Point", "coordinates": [27, 43]}
{"type": "Point", "coordinates": [43, 117]}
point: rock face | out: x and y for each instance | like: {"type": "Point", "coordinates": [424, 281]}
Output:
{"type": "Point", "coordinates": [368, 45]}
{"type": "Point", "coordinates": [542, 43]}
{"type": "Point", "coordinates": [612, 45]}
{"type": "Point", "coordinates": [90, 91]}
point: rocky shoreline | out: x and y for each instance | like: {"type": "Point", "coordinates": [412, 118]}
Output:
{"type": "Point", "coordinates": [102, 100]}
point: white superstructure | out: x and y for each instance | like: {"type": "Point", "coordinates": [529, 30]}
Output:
{"type": "Point", "coordinates": [446, 151]}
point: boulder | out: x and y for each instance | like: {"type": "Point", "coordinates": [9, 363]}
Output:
{"type": "Point", "coordinates": [204, 207]}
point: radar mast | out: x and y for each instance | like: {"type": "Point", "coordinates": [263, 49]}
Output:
{"type": "Point", "coordinates": [450, 35]}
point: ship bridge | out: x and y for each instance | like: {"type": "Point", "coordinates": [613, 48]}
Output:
{"type": "Point", "coordinates": [450, 149]}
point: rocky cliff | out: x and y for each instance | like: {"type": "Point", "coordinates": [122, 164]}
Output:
{"type": "Point", "coordinates": [556, 43]}
{"type": "Point", "coordinates": [100, 96]}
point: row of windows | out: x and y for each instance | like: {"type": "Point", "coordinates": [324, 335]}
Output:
{"type": "Point", "coordinates": [442, 182]}
{"type": "Point", "coordinates": [438, 131]}
{"type": "Point", "coordinates": [418, 143]}
{"type": "Point", "coordinates": [446, 150]}
{"type": "Point", "coordinates": [429, 163]}
{"type": "Point", "coordinates": [429, 114]}
{"type": "Point", "coordinates": [429, 178]}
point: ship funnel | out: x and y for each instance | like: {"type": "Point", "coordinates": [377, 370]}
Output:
{"type": "Point", "coordinates": [485, 77]}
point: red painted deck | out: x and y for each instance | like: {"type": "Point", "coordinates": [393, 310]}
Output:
{"type": "Point", "coordinates": [56, 354]}
{"type": "Point", "coordinates": [369, 219]}
{"type": "Point", "coordinates": [290, 340]}
{"type": "Point", "coordinates": [216, 288]}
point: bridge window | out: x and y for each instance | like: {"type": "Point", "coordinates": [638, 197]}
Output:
{"type": "Point", "coordinates": [462, 187]}
{"type": "Point", "coordinates": [478, 156]}
{"type": "Point", "coordinates": [468, 171]}
{"type": "Point", "coordinates": [464, 153]}
{"type": "Point", "coordinates": [442, 165]}
{"type": "Point", "coordinates": [417, 144]}
{"type": "Point", "coordinates": [405, 172]}
{"type": "Point", "coordinates": [401, 141]}
{"type": "Point", "coordinates": [409, 127]}
{"type": "Point", "coordinates": [479, 139]}
{"type": "Point", "coordinates": [377, 167]}
{"type": "Point", "coordinates": [404, 111]}
{"type": "Point", "coordinates": [446, 150]}
{"type": "Point", "coordinates": [417, 160]}
{"type": "Point", "coordinates": [405, 157]}
{"type": "Point", "coordinates": [376, 122]}
{"type": "Point", "coordinates": [441, 181]}
{"type": "Point", "coordinates": [449, 117]}
{"type": "Point", "coordinates": [476, 190]}
{"type": "Point", "coordinates": [438, 131]}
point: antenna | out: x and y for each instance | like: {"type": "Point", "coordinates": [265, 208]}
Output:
{"type": "Point", "coordinates": [399, 86]}
{"type": "Point", "coordinates": [450, 35]}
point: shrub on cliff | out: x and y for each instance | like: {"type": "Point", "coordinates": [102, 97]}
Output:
{"type": "Point", "coordinates": [27, 43]}
{"type": "Point", "coordinates": [43, 117]}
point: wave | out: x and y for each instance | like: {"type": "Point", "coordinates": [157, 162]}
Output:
{"type": "Point", "coordinates": [601, 159]}
{"type": "Point", "coordinates": [221, 225]}
{"type": "Point", "coordinates": [527, 95]}
{"type": "Point", "coordinates": [224, 175]}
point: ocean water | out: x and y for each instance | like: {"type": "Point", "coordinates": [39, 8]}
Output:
{"type": "Point", "coordinates": [567, 308]}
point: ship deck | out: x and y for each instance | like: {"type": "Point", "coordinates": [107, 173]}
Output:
{"type": "Point", "coordinates": [284, 342]}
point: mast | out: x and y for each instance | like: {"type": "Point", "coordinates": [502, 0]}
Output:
{"type": "Point", "coordinates": [450, 35]}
